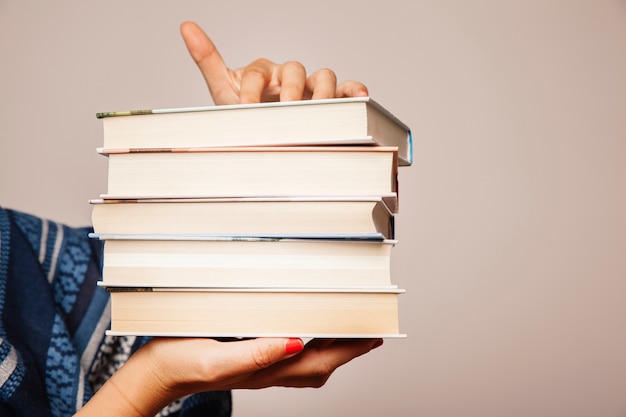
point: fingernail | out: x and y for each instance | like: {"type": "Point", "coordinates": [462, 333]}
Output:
{"type": "Point", "coordinates": [293, 346]}
{"type": "Point", "coordinates": [377, 343]}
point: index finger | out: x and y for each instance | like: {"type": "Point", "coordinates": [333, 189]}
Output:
{"type": "Point", "coordinates": [210, 62]}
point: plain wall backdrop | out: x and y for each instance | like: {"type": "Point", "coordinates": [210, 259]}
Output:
{"type": "Point", "coordinates": [512, 231]}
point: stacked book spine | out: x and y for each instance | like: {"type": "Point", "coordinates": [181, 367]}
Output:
{"type": "Point", "coordinates": [209, 230]}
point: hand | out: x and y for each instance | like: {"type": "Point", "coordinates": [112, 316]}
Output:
{"type": "Point", "coordinates": [261, 80]}
{"type": "Point", "coordinates": [165, 369]}
{"type": "Point", "coordinates": [207, 364]}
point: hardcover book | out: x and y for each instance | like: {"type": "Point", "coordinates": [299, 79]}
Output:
{"type": "Point", "coordinates": [255, 172]}
{"type": "Point", "coordinates": [254, 312]}
{"type": "Point", "coordinates": [365, 217]}
{"type": "Point", "coordinates": [192, 261]}
{"type": "Point", "coordinates": [342, 121]}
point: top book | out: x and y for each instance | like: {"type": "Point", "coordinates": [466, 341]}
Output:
{"type": "Point", "coordinates": [340, 121]}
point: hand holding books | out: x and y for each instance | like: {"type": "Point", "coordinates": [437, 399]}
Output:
{"type": "Point", "coordinates": [180, 367]}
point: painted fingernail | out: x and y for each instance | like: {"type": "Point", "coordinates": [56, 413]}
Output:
{"type": "Point", "coordinates": [293, 346]}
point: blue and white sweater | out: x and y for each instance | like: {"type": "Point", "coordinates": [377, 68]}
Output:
{"type": "Point", "coordinates": [53, 351]}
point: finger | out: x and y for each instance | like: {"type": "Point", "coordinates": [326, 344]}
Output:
{"type": "Point", "coordinates": [322, 84]}
{"type": "Point", "coordinates": [254, 80]}
{"type": "Point", "coordinates": [210, 63]}
{"type": "Point", "coordinates": [248, 356]}
{"type": "Point", "coordinates": [292, 79]}
{"type": "Point", "coordinates": [344, 350]}
{"type": "Point", "coordinates": [213, 364]}
{"type": "Point", "coordinates": [336, 354]}
{"type": "Point", "coordinates": [351, 89]}
{"type": "Point", "coordinates": [320, 358]}
{"type": "Point", "coordinates": [320, 343]}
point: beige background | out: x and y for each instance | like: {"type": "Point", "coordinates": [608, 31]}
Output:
{"type": "Point", "coordinates": [512, 227]}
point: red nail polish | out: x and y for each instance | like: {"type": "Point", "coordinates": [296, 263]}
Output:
{"type": "Point", "coordinates": [293, 346]}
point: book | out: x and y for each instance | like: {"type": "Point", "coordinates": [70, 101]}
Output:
{"type": "Point", "coordinates": [343, 121]}
{"type": "Point", "coordinates": [172, 260]}
{"type": "Point", "coordinates": [254, 312]}
{"type": "Point", "coordinates": [252, 217]}
{"type": "Point", "coordinates": [255, 172]}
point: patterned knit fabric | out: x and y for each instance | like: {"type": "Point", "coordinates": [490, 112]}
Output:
{"type": "Point", "coordinates": [53, 351]}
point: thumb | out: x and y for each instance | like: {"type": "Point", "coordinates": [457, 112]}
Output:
{"type": "Point", "coordinates": [261, 353]}
{"type": "Point", "coordinates": [206, 364]}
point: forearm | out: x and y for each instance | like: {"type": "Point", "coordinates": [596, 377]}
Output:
{"type": "Point", "coordinates": [133, 391]}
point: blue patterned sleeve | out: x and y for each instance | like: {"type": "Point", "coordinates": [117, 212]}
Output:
{"type": "Point", "coordinates": [53, 315]}
{"type": "Point", "coordinates": [53, 350]}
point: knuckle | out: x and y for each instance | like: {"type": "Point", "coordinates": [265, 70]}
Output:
{"type": "Point", "coordinates": [254, 72]}
{"type": "Point", "coordinates": [258, 68]}
{"type": "Point", "coordinates": [326, 73]}
{"type": "Point", "coordinates": [261, 62]}
{"type": "Point", "coordinates": [261, 356]}
{"type": "Point", "coordinates": [294, 66]}
{"type": "Point", "coordinates": [320, 375]}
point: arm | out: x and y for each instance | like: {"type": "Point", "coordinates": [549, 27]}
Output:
{"type": "Point", "coordinates": [167, 369]}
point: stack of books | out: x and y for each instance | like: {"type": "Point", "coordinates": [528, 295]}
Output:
{"type": "Point", "coordinates": [270, 219]}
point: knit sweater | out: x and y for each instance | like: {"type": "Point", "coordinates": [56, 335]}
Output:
{"type": "Point", "coordinates": [54, 354]}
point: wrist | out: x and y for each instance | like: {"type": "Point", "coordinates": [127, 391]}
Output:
{"type": "Point", "coordinates": [137, 389]}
